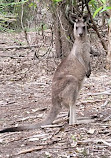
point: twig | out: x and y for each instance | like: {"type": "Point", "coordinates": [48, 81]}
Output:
{"type": "Point", "coordinates": [6, 135]}
{"type": "Point", "coordinates": [100, 93]}
{"type": "Point", "coordinates": [106, 142]}
{"type": "Point", "coordinates": [107, 118]}
{"type": "Point", "coordinates": [39, 109]}
{"type": "Point", "coordinates": [89, 101]}
{"type": "Point", "coordinates": [47, 52]}
{"type": "Point", "coordinates": [59, 16]}
{"type": "Point", "coordinates": [52, 126]}
{"type": "Point", "coordinates": [24, 151]}
{"type": "Point", "coordinates": [9, 56]}
{"type": "Point", "coordinates": [105, 103]}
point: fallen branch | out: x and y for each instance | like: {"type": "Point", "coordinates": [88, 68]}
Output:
{"type": "Point", "coordinates": [24, 151]}
{"type": "Point", "coordinates": [20, 47]}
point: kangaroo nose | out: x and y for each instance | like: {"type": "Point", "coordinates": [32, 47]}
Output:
{"type": "Point", "coordinates": [80, 34]}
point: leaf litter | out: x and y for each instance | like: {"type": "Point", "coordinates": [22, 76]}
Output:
{"type": "Point", "coordinates": [25, 97]}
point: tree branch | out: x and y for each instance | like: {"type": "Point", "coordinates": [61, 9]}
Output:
{"type": "Point", "coordinates": [95, 27]}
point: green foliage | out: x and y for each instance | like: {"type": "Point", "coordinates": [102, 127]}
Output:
{"type": "Point", "coordinates": [97, 11]}
{"type": "Point", "coordinates": [33, 4]}
{"type": "Point", "coordinates": [42, 27]}
{"type": "Point", "coordinates": [103, 1]}
{"type": "Point", "coordinates": [56, 1]}
{"type": "Point", "coordinates": [16, 14]}
{"type": "Point", "coordinates": [99, 6]}
{"type": "Point", "coordinates": [8, 16]}
{"type": "Point", "coordinates": [94, 4]}
{"type": "Point", "coordinates": [105, 9]}
{"type": "Point", "coordinates": [5, 4]}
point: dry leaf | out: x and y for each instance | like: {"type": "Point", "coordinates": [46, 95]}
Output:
{"type": "Point", "coordinates": [91, 131]}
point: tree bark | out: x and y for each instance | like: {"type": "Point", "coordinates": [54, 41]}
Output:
{"type": "Point", "coordinates": [109, 43]}
{"type": "Point", "coordinates": [63, 32]}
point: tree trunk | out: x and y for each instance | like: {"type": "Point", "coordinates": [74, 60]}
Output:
{"type": "Point", "coordinates": [109, 44]}
{"type": "Point", "coordinates": [63, 32]}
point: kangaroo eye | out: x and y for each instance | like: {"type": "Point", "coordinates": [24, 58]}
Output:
{"type": "Point", "coordinates": [76, 27]}
{"type": "Point", "coordinates": [84, 27]}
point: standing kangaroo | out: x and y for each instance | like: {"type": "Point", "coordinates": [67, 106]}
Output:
{"type": "Point", "coordinates": [67, 79]}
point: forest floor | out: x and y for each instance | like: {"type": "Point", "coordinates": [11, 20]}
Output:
{"type": "Point", "coordinates": [25, 98]}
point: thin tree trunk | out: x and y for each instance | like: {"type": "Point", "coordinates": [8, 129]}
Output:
{"type": "Point", "coordinates": [58, 44]}
{"type": "Point", "coordinates": [109, 44]}
{"type": "Point", "coordinates": [103, 19]}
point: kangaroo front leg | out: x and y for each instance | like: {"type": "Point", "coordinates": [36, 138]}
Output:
{"type": "Point", "coordinates": [88, 71]}
{"type": "Point", "coordinates": [72, 116]}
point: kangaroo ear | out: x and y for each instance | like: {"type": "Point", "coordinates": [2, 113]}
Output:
{"type": "Point", "coordinates": [86, 17]}
{"type": "Point", "coordinates": [72, 18]}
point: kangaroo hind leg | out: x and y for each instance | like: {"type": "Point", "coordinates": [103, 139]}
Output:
{"type": "Point", "coordinates": [72, 108]}
{"type": "Point", "coordinates": [72, 117]}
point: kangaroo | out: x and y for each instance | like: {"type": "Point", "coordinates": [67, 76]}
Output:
{"type": "Point", "coordinates": [68, 78]}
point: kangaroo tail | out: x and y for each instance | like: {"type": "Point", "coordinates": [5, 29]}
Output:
{"type": "Point", "coordinates": [50, 118]}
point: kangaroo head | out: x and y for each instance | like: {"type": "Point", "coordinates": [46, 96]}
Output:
{"type": "Point", "coordinates": [80, 27]}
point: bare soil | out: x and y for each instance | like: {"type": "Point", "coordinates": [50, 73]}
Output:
{"type": "Point", "coordinates": [25, 98]}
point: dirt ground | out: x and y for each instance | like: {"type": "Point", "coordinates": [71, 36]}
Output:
{"type": "Point", "coordinates": [25, 97]}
